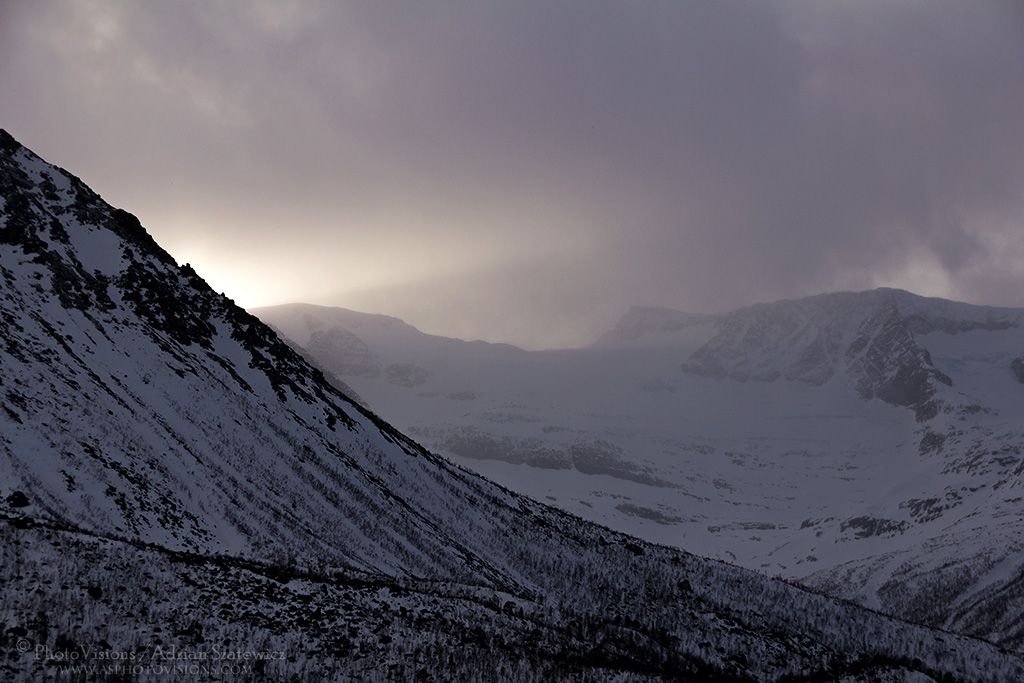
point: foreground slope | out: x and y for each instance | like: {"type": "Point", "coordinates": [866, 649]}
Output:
{"type": "Point", "coordinates": [174, 475]}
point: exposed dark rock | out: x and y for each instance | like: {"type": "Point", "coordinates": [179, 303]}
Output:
{"type": "Point", "coordinates": [866, 526]}
{"type": "Point", "coordinates": [601, 457]}
{"type": "Point", "coordinates": [462, 396]}
{"type": "Point", "coordinates": [885, 362]}
{"type": "Point", "coordinates": [1017, 368]}
{"type": "Point", "coordinates": [17, 499]}
{"type": "Point", "coordinates": [476, 445]}
{"type": "Point", "coordinates": [166, 306]}
{"type": "Point", "coordinates": [588, 457]}
{"type": "Point", "coordinates": [333, 379]}
{"type": "Point", "coordinates": [647, 513]}
{"type": "Point", "coordinates": [8, 144]}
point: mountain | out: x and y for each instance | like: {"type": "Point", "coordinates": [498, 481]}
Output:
{"type": "Point", "coordinates": [184, 496]}
{"type": "Point", "coordinates": [869, 336]}
{"type": "Point", "coordinates": [868, 444]}
{"type": "Point", "coordinates": [655, 327]}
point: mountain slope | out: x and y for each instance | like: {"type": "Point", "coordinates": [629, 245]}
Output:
{"type": "Point", "coordinates": [957, 555]}
{"type": "Point", "coordinates": [175, 475]}
{"type": "Point", "coordinates": [869, 335]}
{"type": "Point", "coordinates": [866, 443]}
{"type": "Point", "coordinates": [654, 327]}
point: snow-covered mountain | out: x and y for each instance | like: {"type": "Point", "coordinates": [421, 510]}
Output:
{"type": "Point", "coordinates": [868, 444]}
{"type": "Point", "coordinates": [184, 496]}
{"type": "Point", "coordinates": [654, 327]}
{"type": "Point", "coordinates": [867, 336]}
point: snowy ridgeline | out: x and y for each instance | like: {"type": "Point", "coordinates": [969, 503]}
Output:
{"type": "Point", "coordinates": [175, 476]}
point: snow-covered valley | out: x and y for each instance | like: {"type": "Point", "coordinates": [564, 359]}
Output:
{"type": "Point", "coordinates": [868, 444]}
{"type": "Point", "coordinates": [174, 476]}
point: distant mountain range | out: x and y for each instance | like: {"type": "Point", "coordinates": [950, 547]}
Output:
{"type": "Point", "coordinates": [864, 443]}
{"type": "Point", "coordinates": [176, 479]}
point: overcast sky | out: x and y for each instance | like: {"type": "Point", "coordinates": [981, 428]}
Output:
{"type": "Point", "coordinates": [524, 171]}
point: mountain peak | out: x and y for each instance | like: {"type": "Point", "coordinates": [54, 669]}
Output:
{"type": "Point", "coordinates": [7, 142]}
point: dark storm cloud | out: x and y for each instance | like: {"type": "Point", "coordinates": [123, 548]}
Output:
{"type": "Point", "coordinates": [525, 170]}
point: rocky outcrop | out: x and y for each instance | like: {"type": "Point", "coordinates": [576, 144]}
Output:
{"type": "Point", "coordinates": [885, 362]}
{"type": "Point", "coordinates": [1017, 368]}
{"type": "Point", "coordinates": [864, 336]}
{"type": "Point", "coordinates": [767, 343]}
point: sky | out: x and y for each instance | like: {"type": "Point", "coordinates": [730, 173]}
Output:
{"type": "Point", "coordinates": [526, 170]}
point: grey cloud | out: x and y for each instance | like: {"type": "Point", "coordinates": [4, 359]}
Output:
{"type": "Point", "coordinates": [556, 161]}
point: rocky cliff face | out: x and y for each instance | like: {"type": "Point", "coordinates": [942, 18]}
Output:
{"type": "Point", "coordinates": [884, 361]}
{"type": "Point", "coordinates": [866, 339]}
{"type": "Point", "coordinates": [799, 342]}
